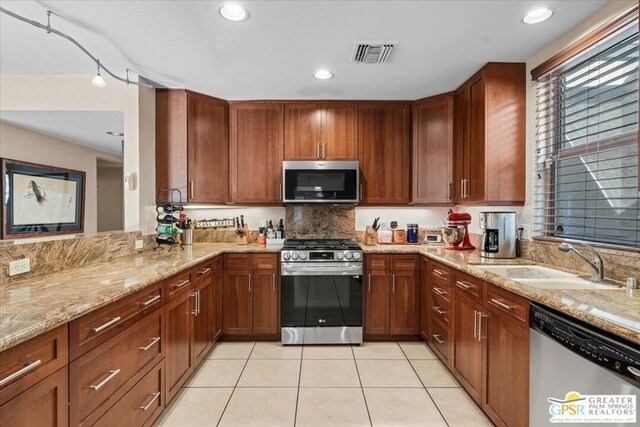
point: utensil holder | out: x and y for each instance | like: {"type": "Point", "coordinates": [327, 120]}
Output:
{"type": "Point", "coordinates": [187, 237]}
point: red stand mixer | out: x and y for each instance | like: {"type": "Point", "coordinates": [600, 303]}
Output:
{"type": "Point", "coordinates": [456, 233]}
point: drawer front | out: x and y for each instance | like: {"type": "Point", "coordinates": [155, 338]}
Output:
{"type": "Point", "coordinates": [440, 308]}
{"type": "Point", "coordinates": [265, 261]}
{"type": "Point", "coordinates": [96, 327]}
{"type": "Point", "coordinates": [27, 363]}
{"type": "Point", "coordinates": [441, 273]}
{"type": "Point", "coordinates": [203, 271]}
{"type": "Point", "coordinates": [504, 301]}
{"type": "Point", "coordinates": [469, 286]}
{"type": "Point", "coordinates": [237, 262]}
{"type": "Point", "coordinates": [177, 284]}
{"type": "Point", "coordinates": [141, 405]}
{"type": "Point", "coordinates": [405, 262]}
{"type": "Point", "coordinates": [378, 262]}
{"type": "Point", "coordinates": [441, 290]}
{"type": "Point", "coordinates": [98, 376]}
{"type": "Point", "coordinates": [440, 339]}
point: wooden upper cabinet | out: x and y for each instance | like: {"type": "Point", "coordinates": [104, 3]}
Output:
{"type": "Point", "coordinates": [321, 130]}
{"type": "Point", "coordinates": [192, 135]}
{"type": "Point", "coordinates": [384, 143]}
{"type": "Point", "coordinates": [489, 136]}
{"type": "Point", "coordinates": [433, 150]}
{"type": "Point", "coordinates": [256, 152]}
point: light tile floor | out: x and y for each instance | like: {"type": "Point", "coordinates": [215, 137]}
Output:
{"type": "Point", "coordinates": [375, 384]}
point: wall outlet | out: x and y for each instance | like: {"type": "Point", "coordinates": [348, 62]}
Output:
{"type": "Point", "coordinates": [140, 244]}
{"type": "Point", "coordinates": [20, 266]}
{"type": "Point", "coordinates": [526, 231]}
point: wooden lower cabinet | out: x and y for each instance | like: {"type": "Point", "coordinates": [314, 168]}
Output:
{"type": "Point", "coordinates": [179, 341]}
{"type": "Point", "coordinates": [238, 301]}
{"type": "Point", "coordinates": [378, 293]}
{"type": "Point", "coordinates": [404, 315]}
{"type": "Point", "coordinates": [467, 347]}
{"type": "Point", "coordinates": [203, 318]}
{"type": "Point", "coordinates": [42, 405]}
{"type": "Point", "coordinates": [425, 301]}
{"type": "Point", "coordinates": [265, 302]}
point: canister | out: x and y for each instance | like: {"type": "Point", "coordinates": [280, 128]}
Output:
{"type": "Point", "coordinates": [412, 233]}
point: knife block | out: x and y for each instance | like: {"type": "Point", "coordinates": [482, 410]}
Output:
{"type": "Point", "coordinates": [370, 236]}
{"type": "Point", "coordinates": [243, 236]}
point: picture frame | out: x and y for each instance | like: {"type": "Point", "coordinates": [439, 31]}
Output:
{"type": "Point", "coordinates": [40, 200]}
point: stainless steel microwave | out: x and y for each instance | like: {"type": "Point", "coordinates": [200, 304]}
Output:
{"type": "Point", "coordinates": [321, 181]}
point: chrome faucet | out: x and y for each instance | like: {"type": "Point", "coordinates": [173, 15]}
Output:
{"type": "Point", "coordinates": [596, 265]}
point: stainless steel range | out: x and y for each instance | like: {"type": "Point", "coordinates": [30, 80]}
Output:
{"type": "Point", "coordinates": [321, 292]}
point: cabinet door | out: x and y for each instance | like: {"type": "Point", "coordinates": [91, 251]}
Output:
{"type": "Point", "coordinates": [205, 306]}
{"type": "Point", "coordinates": [433, 150]}
{"type": "Point", "coordinates": [460, 141]}
{"type": "Point", "coordinates": [467, 351]}
{"type": "Point", "coordinates": [171, 140]}
{"type": "Point", "coordinates": [405, 303]}
{"type": "Point", "coordinates": [207, 148]}
{"type": "Point", "coordinates": [216, 324]}
{"type": "Point", "coordinates": [179, 336]}
{"type": "Point", "coordinates": [303, 130]}
{"type": "Point", "coordinates": [265, 302]}
{"type": "Point", "coordinates": [238, 306]}
{"type": "Point", "coordinates": [474, 152]}
{"type": "Point", "coordinates": [506, 392]}
{"type": "Point", "coordinates": [256, 152]}
{"type": "Point", "coordinates": [41, 405]}
{"type": "Point", "coordinates": [378, 291]}
{"type": "Point", "coordinates": [383, 133]}
{"type": "Point", "coordinates": [340, 131]}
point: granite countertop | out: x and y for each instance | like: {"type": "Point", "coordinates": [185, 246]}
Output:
{"type": "Point", "coordinates": [32, 306]}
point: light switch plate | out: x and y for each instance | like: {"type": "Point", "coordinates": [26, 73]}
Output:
{"type": "Point", "coordinates": [19, 266]}
{"type": "Point", "coordinates": [140, 244]}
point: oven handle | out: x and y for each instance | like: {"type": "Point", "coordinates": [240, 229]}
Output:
{"type": "Point", "coordinates": [324, 269]}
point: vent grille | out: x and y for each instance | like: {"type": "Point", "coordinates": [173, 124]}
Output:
{"type": "Point", "coordinates": [372, 53]}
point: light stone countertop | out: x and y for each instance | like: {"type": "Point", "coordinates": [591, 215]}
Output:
{"type": "Point", "coordinates": [33, 306]}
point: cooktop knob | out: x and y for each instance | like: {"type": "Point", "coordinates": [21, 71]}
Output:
{"type": "Point", "coordinates": [339, 255]}
{"type": "Point", "coordinates": [285, 256]}
{"type": "Point", "coordinates": [356, 255]}
{"type": "Point", "coordinates": [348, 255]}
{"type": "Point", "coordinates": [303, 255]}
{"type": "Point", "coordinates": [295, 255]}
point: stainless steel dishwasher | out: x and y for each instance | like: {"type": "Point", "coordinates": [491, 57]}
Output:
{"type": "Point", "coordinates": [574, 369]}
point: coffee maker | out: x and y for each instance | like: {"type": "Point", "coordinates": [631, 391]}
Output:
{"type": "Point", "coordinates": [499, 234]}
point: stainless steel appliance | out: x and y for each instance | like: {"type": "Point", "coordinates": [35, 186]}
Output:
{"type": "Point", "coordinates": [570, 356]}
{"type": "Point", "coordinates": [499, 235]}
{"type": "Point", "coordinates": [321, 181]}
{"type": "Point", "coordinates": [321, 292]}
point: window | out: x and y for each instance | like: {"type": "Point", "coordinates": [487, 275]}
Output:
{"type": "Point", "coordinates": [586, 180]}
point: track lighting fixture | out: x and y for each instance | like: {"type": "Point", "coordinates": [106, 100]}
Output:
{"type": "Point", "coordinates": [97, 80]}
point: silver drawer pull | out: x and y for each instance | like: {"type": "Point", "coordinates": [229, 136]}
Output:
{"type": "Point", "coordinates": [151, 344]}
{"type": "Point", "coordinates": [111, 376]}
{"type": "Point", "coordinates": [438, 310]}
{"type": "Point", "coordinates": [153, 399]}
{"type": "Point", "coordinates": [439, 272]}
{"type": "Point", "coordinates": [501, 304]}
{"type": "Point", "coordinates": [181, 284]}
{"type": "Point", "coordinates": [106, 325]}
{"type": "Point", "coordinates": [20, 372]}
{"type": "Point", "coordinates": [439, 291]}
{"type": "Point", "coordinates": [204, 271]}
{"type": "Point", "coordinates": [437, 338]}
{"type": "Point", "coordinates": [464, 285]}
{"type": "Point", "coordinates": [150, 301]}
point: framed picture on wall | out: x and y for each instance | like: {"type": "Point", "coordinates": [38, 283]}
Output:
{"type": "Point", "coordinates": [41, 200]}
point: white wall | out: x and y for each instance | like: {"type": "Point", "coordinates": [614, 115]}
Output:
{"type": "Point", "coordinates": [21, 144]}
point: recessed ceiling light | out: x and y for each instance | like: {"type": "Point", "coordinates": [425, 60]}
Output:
{"type": "Point", "coordinates": [114, 133]}
{"type": "Point", "coordinates": [323, 74]}
{"type": "Point", "coordinates": [538, 15]}
{"type": "Point", "coordinates": [234, 12]}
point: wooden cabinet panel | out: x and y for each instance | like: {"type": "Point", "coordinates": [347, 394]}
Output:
{"type": "Point", "coordinates": [203, 319]}
{"type": "Point", "coordinates": [256, 151]}
{"type": "Point", "coordinates": [340, 131]}
{"type": "Point", "coordinates": [378, 293]}
{"type": "Point", "coordinates": [216, 323]}
{"type": "Point", "coordinates": [474, 155]}
{"type": "Point", "coordinates": [405, 302]}
{"type": "Point", "coordinates": [36, 359]}
{"type": "Point", "coordinates": [208, 136]}
{"type": "Point", "coordinates": [265, 302]}
{"type": "Point", "coordinates": [179, 342]}
{"type": "Point", "coordinates": [506, 391]}
{"type": "Point", "coordinates": [265, 261]}
{"type": "Point", "coordinates": [441, 342]}
{"type": "Point", "coordinates": [384, 142]}
{"type": "Point", "coordinates": [378, 262]}
{"type": "Point", "coordinates": [460, 141]}
{"type": "Point", "coordinates": [470, 286]}
{"type": "Point", "coordinates": [42, 405]}
{"type": "Point", "coordinates": [303, 130]}
{"type": "Point", "coordinates": [467, 352]}
{"type": "Point", "coordinates": [425, 299]}
{"type": "Point", "coordinates": [433, 150]}
{"type": "Point", "coordinates": [238, 302]}
{"type": "Point", "coordinates": [171, 140]}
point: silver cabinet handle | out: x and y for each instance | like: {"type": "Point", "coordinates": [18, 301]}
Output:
{"type": "Point", "coordinates": [148, 302]}
{"type": "Point", "coordinates": [369, 283]}
{"type": "Point", "coordinates": [462, 188]}
{"type": "Point", "coordinates": [501, 304]}
{"type": "Point", "coordinates": [439, 291]}
{"type": "Point", "coordinates": [204, 271]}
{"type": "Point", "coordinates": [195, 303]}
{"type": "Point", "coordinates": [437, 338]}
{"type": "Point", "coordinates": [181, 284]}
{"type": "Point", "coordinates": [318, 150]}
{"type": "Point", "coordinates": [475, 324]}
{"type": "Point", "coordinates": [153, 342]}
{"type": "Point", "coordinates": [199, 300]}
{"type": "Point", "coordinates": [106, 325]}
{"type": "Point", "coordinates": [438, 310]}
{"type": "Point", "coordinates": [111, 376]}
{"type": "Point", "coordinates": [480, 316]}
{"type": "Point", "coordinates": [153, 399]}
{"type": "Point", "coordinates": [464, 285]}
{"type": "Point", "coordinates": [280, 191]}
{"type": "Point", "coordinates": [440, 273]}
{"type": "Point", "coordinates": [324, 151]}
{"type": "Point", "coordinates": [192, 188]}
{"type": "Point", "coordinates": [393, 283]}
{"type": "Point", "coordinates": [20, 372]}
{"type": "Point", "coordinates": [273, 282]}
{"type": "Point", "coordinates": [249, 282]}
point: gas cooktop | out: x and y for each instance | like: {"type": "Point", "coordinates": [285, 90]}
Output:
{"type": "Point", "coordinates": [327, 244]}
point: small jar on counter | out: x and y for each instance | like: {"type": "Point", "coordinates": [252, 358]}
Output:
{"type": "Point", "coordinates": [412, 233]}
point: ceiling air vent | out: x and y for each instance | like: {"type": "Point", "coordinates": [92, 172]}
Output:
{"type": "Point", "coordinates": [372, 53]}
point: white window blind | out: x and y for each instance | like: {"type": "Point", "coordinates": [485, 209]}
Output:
{"type": "Point", "coordinates": [586, 183]}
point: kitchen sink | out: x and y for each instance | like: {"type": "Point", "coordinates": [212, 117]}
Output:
{"type": "Point", "coordinates": [543, 277]}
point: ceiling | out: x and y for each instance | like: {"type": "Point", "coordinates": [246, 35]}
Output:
{"type": "Point", "coordinates": [274, 54]}
{"type": "Point", "coordinates": [86, 128]}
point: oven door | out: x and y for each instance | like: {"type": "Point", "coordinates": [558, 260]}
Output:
{"type": "Point", "coordinates": [317, 182]}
